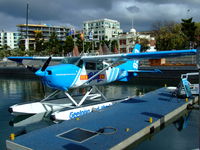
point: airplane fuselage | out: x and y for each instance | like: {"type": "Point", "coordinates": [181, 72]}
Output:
{"type": "Point", "coordinates": [66, 76]}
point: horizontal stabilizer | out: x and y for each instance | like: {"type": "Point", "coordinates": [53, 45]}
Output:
{"type": "Point", "coordinates": [146, 71]}
{"type": "Point", "coordinates": [132, 73]}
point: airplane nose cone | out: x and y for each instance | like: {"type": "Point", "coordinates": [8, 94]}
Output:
{"type": "Point", "coordinates": [40, 73]}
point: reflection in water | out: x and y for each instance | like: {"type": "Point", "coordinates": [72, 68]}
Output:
{"type": "Point", "coordinates": [26, 120]}
{"type": "Point", "coordinates": [172, 139]}
{"type": "Point", "coordinates": [13, 91]}
{"type": "Point", "coordinates": [19, 90]}
{"type": "Point", "coordinates": [117, 90]}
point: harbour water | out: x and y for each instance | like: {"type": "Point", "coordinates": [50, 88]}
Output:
{"type": "Point", "coordinates": [22, 90]}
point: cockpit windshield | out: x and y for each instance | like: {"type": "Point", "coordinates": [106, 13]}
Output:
{"type": "Point", "coordinates": [70, 60]}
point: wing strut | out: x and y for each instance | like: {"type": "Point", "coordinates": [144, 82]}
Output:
{"type": "Point", "coordinates": [90, 90]}
{"type": "Point", "coordinates": [47, 97]}
{"type": "Point", "coordinates": [86, 96]}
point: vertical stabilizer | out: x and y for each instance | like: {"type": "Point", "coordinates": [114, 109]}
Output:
{"type": "Point", "coordinates": [131, 64]}
{"type": "Point", "coordinates": [136, 62]}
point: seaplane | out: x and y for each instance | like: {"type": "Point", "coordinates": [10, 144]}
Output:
{"type": "Point", "coordinates": [86, 72]}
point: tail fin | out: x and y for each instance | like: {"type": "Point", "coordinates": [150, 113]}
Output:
{"type": "Point", "coordinates": [132, 64]}
{"type": "Point", "coordinates": [136, 62]}
{"type": "Point", "coordinates": [137, 48]}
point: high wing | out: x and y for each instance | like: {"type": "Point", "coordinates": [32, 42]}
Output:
{"type": "Point", "coordinates": [20, 58]}
{"type": "Point", "coordinates": [140, 56]}
{"type": "Point", "coordinates": [124, 56]}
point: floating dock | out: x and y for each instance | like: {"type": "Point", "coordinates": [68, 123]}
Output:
{"type": "Point", "coordinates": [116, 127]}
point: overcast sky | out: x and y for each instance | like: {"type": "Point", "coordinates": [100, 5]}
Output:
{"type": "Point", "coordinates": [143, 13]}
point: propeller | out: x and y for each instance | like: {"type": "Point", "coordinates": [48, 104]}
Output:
{"type": "Point", "coordinates": [41, 73]}
{"type": "Point", "coordinates": [34, 69]}
{"type": "Point", "coordinates": [46, 64]}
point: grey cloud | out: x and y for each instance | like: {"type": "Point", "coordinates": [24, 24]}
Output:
{"type": "Point", "coordinates": [12, 8]}
{"type": "Point", "coordinates": [189, 2]}
{"type": "Point", "coordinates": [133, 9]}
{"type": "Point", "coordinates": [48, 9]}
{"type": "Point", "coordinates": [36, 9]}
{"type": "Point", "coordinates": [90, 4]}
{"type": "Point", "coordinates": [64, 12]}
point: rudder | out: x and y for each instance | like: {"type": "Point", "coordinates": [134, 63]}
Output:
{"type": "Point", "coordinates": [136, 62]}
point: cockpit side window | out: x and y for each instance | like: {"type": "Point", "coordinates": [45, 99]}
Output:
{"type": "Point", "coordinates": [90, 66]}
{"type": "Point", "coordinates": [80, 63]}
{"type": "Point", "coordinates": [99, 66]}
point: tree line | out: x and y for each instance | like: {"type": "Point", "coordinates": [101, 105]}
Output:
{"type": "Point", "coordinates": [54, 46]}
{"type": "Point", "coordinates": [170, 35]}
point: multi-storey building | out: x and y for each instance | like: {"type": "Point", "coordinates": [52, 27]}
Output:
{"type": "Point", "coordinates": [126, 41]}
{"type": "Point", "coordinates": [9, 40]}
{"type": "Point", "coordinates": [32, 29]}
{"type": "Point", "coordinates": [102, 29]}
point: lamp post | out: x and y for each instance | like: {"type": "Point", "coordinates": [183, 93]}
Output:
{"type": "Point", "coordinates": [26, 40]}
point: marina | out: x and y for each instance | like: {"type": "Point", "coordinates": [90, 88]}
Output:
{"type": "Point", "coordinates": [131, 124]}
{"type": "Point", "coordinates": [110, 75]}
{"type": "Point", "coordinates": [94, 118]}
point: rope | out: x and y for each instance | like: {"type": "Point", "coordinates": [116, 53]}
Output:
{"type": "Point", "coordinates": [103, 130]}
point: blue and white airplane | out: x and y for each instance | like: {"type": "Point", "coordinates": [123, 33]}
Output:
{"type": "Point", "coordinates": [90, 71]}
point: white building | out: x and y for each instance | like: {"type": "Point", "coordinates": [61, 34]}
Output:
{"type": "Point", "coordinates": [102, 29]}
{"type": "Point", "coordinates": [9, 39]}
{"type": "Point", "coordinates": [126, 41]}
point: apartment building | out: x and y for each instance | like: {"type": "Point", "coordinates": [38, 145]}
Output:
{"type": "Point", "coordinates": [101, 29]}
{"type": "Point", "coordinates": [32, 29]}
{"type": "Point", "coordinates": [9, 40]}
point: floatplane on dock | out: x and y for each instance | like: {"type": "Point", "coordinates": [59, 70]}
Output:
{"type": "Point", "coordinates": [86, 71]}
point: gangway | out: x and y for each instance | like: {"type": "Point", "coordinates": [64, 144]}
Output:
{"type": "Point", "coordinates": [185, 87]}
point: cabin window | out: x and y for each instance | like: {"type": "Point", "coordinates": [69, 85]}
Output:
{"type": "Point", "coordinates": [99, 66]}
{"type": "Point", "coordinates": [80, 64]}
{"type": "Point", "coordinates": [90, 66]}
